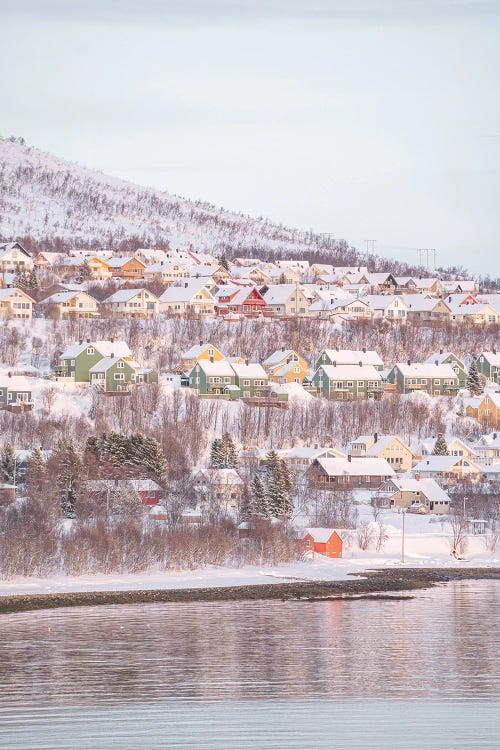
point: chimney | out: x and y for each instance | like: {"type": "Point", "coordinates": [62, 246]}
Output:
{"type": "Point", "coordinates": [360, 363]}
{"type": "Point", "coordinates": [409, 361]}
{"type": "Point", "coordinates": [428, 462]}
{"type": "Point", "coordinates": [364, 350]}
{"type": "Point", "coordinates": [112, 355]}
{"type": "Point", "coordinates": [112, 340]}
{"type": "Point", "coordinates": [375, 437]}
{"type": "Point", "coordinates": [440, 351]}
{"type": "Point", "coordinates": [417, 477]}
{"type": "Point", "coordinates": [9, 374]}
{"type": "Point", "coordinates": [185, 285]}
{"type": "Point", "coordinates": [334, 363]}
{"type": "Point", "coordinates": [80, 342]}
{"type": "Point", "coordinates": [88, 341]}
{"type": "Point", "coordinates": [201, 343]}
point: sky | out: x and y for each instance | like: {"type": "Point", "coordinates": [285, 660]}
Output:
{"type": "Point", "coordinates": [365, 119]}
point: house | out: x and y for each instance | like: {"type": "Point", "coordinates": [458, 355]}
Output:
{"type": "Point", "coordinates": [447, 470]}
{"type": "Point", "coordinates": [421, 307]}
{"type": "Point", "coordinates": [347, 382]}
{"type": "Point", "coordinates": [285, 366]}
{"type": "Point", "coordinates": [472, 312]}
{"type": "Point", "coordinates": [488, 364]}
{"type": "Point", "coordinates": [251, 379]}
{"type": "Point", "coordinates": [485, 408]}
{"type": "Point", "coordinates": [76, 304]}
{"type": "Point", "coordinates": [285, 299]}
{"type": "Point", "coordinates": [214, 379]}
{"type": "Point", "coordinates": [349, 357]}
{"type": "Point", "coordinates": [148, 491]}
{"type": "Point", "coordinates": [349, 473]}
{"type": "Point", "coordinates": [448, 358]}
{"type": "Point", "coordinates": [97, 267]}
{"type": "Point", "coordinates": [198, 352]}
{"type": "Point", "coordinates": [116, 374]}
{"type": "Point", "coordinates": [437, 380]}
{"type": "Point", "coordinates": [223, 487]}
{"type": "Point", "coordinates": [326, 542]}
{"type": "Point", "coordinates": [386, 306]}
{"type": "Point", "coordinates": [211, 272]}
{"type": "Point", "coordinates": [243, 300]}
{"type": "Point", "coordinates": [492, 473]}
{"type": "Point", "coordinates": [15, 393]}
{"type": "Point", "coordinates": [14, 303]}
{"type": "Point", "coordinates": [126, 268]}
{"type": "Point", "coordinates": [14, 257]}
{"type": "Point", "coordinates": [167, 271]}
{"type": "Point", "coordinates": [132, 303]}
{"type": "Point", "coordinates": [424, 495]}
{"type": "Point", "coordinates": [76, 361]}
{"type": "Point", "coordinates": [348, 307]}
{"type": "Point", "coordinates": [390, 447]}
{"type": "Point", "coordinates": [487, 449]}
{"type": "Point", "coordinates": [456, 447]}
{"type": "Point", "coordinates": [191, 297]}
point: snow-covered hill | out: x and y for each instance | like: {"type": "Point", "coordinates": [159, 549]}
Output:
{"type": "Point", "coordinates": [45, 197]}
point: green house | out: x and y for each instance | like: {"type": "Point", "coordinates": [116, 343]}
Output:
{"type": "Point", "coordinates": [488, 364]}
{"type": "Point", "coordinates": [77, 361]}
{"type": "Point", "coordinates": [448, 358]}
{"type": "Point", "coordinates": [435, 379]}
{"type": "Point", "coordinates": [348, 382]}
{"type": "Point", "coordinates": [252, 380]}
{"type": "Point", "coordinates": [15, 393]}
{"type": "Point", "coordinates": [116, 374]}
{"type": "Point", "coordinates": [214, 379]}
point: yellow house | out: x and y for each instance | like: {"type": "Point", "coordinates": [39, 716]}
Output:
{"type": "Point", "coordinates": [74, 304]}
{"type": "Point", "coordinates": [390, 447]}
{"type": "Point", "coordinates": [198, 352]}
{"type": "Point", "coordinates": [285, 366]}
{"type": "Point", "coordinates": [485, 408]}
{"type": "Point", "coordinates": [14, 303]}
{"type": "Point", "coordinates": [168, 272]}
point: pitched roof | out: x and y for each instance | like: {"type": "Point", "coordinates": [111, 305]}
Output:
{"type": "Point", "coordinates": [350, 372]}
{"type": "Point", "coordinates": [185, 291]}
{"type": "Point", "coordinates": [321, 535]}
{"type": "Point", "coordinates": [124, 295]}
{"type": "Point", "coordinates": [215, 368]}
{"type": "Point", "coordinates": [278, 294]}
{"type": "Point", "coordinates": [118, 348]}
{"type": "Point", "coordinates": [428, 487]}
{"type": "Point", "coordinates": [252, 370]}
{"type": "Point", "coordinates": [425, 370]}
{"type": "Point", "coordinates": [352, 356]}
{"type": "Point", "coordinates": [439, 463]}
{"type": "Point", "coordinates": [356, 467]}
{"type": "Point", "coordinates": [104, 364]}
{"type": "Point", "coordinates": [440, 357]}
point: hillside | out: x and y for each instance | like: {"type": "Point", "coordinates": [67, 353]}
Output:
{"type": "Point", "coordinates": [48, 199]}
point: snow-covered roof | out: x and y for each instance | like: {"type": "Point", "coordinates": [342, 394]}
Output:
{"type": "Point", "coordinates": [321, 535]}
{"type": "Point", "coordinates": [107, 362]}
{"type": "Point", "coordinates": [492, 357]}
{"type": "Point", "coordinates": [124, 295]}
{"type": "Point", "coordinates": [439, 463]}
{"type": "Point", "coordinates": [278, 294]}
{"type": "Point", "coordinates": [6, 293]}
{"type": "Point", "coordinates": [215, 368]}
{"type": "Point", "coordinates": [221, 476]}
{"type": "Point", "coordinates": [425, 370]}
{"type": "Point", "coordinates": [60, 297]}
{"type": "Point", "coordinates": [278, 356]}
{"type": "Point", "coordinates": [381, 301]}
{"type": "Point", "coordinates": [428, 487]}
{"type": "Point", "coordinates": [185, 291]}
{"type": "Point", "coordinates": [353, 357]}
{"type": "Point", "coordinates": [356, 467]}
{"type": "Point", "coordinates": [440, 357]}
{"type": "Point", "coordinates": [350, 372]}
{"type": "Point", "coordinates": [16, 382]}
{"type": "Point", "coordinates": [381, 443]}
{"type": "Point", "coordinates": [196, 350]}
{"type": "Point", "coordinates": [106, 348]}
{"type": "Point", "coordinates": [252, 370]}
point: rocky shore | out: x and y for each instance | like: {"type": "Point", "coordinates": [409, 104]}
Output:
{"type": "Point", "coordinates": [383, 584]}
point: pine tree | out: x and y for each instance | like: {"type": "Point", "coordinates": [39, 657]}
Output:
{"type": "Point", "coordinates": [228, 452]}
{"type": "Point", "coordinates": [32, 280]}
{"type": "Point", "coordinates": [440, 447]}
{"type": "Point", "coordinates": [8, 464]}
{"type": "Point", "coordinates": [68, 477]}
{"type": "Point", "coordinates": [36, 472]}
{"type": "Point", "coordinates": [260, 504]}
{"type": "Point", "coordinates": [246, 510]}
{"type": "Point", "coordinates": [286, 489]}
{"type": "Point", "coordinates": [474, 381]}
{"type": "Point", "coordinates": [216, 454]}
{"type": "Point", "coordinates": [223, 261]}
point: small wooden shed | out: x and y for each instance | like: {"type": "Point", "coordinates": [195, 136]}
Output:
{"type": "Point", "coordinates": [325, 541]}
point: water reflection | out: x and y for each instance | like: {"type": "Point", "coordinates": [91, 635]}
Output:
{"type": "Point", "coordinates": [442, 644]}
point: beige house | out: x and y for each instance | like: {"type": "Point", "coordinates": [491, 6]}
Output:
{"type": "Point", "coordinates": [387, 306]}
{"type": "Point", "coordinates": [14, 258]}
{"type": "Point", "coordinates": [168, 272]}
{"type": "Point", "coordinates": [132, 303]}
{"type": "Point", "coordinates": [456, 447]}
{"type": "Point", "coordinates": [285, 299]}
{"type": "Point", "coordinates": [447, 470]}
{"type": "Point", "coordinates": [14, 303]}
{"type": "Point", "coordinates": [390, 447]}
{"type": "Point", "coordinates": [414, 493]}
{"type": "Point", "coordinates": [73, 304]}
{"type": "Point", "coordinates": [192, 297]}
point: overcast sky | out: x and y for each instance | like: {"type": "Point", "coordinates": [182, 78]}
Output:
{"type": "Point", "coordinates": [369, 119]}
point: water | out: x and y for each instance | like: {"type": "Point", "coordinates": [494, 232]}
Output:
{"type": "Point", "coordinates": [415, 674]}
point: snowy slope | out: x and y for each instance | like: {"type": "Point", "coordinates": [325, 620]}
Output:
{"type": "Point", "coordinates": [43, 196]}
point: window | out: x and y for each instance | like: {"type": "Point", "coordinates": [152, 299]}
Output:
{"type": "Point", "coordinates": [72, 363]}
{"type": "Point", "coordinates": [90, 350]}
{"type": "Point", "coordinates": [246, 382]}
{"type": "Point", "coordinates": [119, 376]}
{"type": "Point", "coordinates": [120, 365]}
{"type": "Point", "coordinates": [436, 381]}
{"type": "Point", "coordinates": [424, 381]}
{"type": "Point", "coordinates": [227, 380]}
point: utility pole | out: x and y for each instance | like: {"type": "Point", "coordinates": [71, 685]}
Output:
{"type": "Point", "coordinates": [370, 247]}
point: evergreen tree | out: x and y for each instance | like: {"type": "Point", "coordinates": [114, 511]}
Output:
{"type": "Point", "coordinates": [21, 280]}
{"type": "Point", "coordinates": [286, 489]}
{"type": "Point", "coordinates": [246, 510]}
{"type": "Point", "coordinates": [474, 381]}
{"type": "Point", "coordinates": [7, 464]}
{"type": "Point", "coordinates": [36, 473]}
{"type": "Point", "coordinates": [216, 458]}
{"type": "Point", "coordinates": [229, 452]}
{"type": "Point", "coordinates": [260, 504]}
{"type": "Point", "coordinates": [223, 261]}
{"type": "Point", "coordinates": [32, 280]}
{"type": "Point", "coordinates": [84, 272]}
{"type": "Point", "coordinates": [68, 477]}
{"type": "Point", "coordinates": [440, 447]}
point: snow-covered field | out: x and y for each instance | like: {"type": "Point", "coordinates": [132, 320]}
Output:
{"type": "Point", "coordinates": [427, 545]}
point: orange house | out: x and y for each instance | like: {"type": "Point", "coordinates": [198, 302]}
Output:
{"type": "Point", "coordinates": [126, 268]}
{"type": "Point", "coordinates": [325, 541]}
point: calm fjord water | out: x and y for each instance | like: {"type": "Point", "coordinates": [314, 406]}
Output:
{"type": "Point", "coordinates": [412, 674]}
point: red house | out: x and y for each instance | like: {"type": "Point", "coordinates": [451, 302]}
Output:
{"type": "Point", "coordinates": [325, 541]}
{"type": "Point", "coordinates": [239, 299]}
{"type": "Point", "coordinates": [102, 490]}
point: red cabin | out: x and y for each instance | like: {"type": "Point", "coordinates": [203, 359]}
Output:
{"type": "Point", "coordinates": [325, 541]}
{"type": "Point", "coordinates": [243, 300]}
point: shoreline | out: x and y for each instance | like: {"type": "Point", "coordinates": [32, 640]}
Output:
{"type": "Point", "coordinates": [365, 584]}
